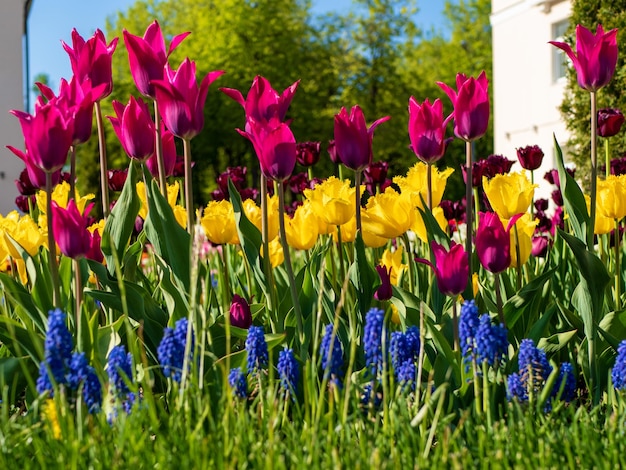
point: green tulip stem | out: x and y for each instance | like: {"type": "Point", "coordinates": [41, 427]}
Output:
{"type": "Point", "coordinates": [477, 394]}
{"type": "Point", "coordinates": [78, 287]}
{"type": "Point", "coordinates": [429, 186]}
{"type": "Point", "coordinates": [411, 264]}
{"type": "Point", "coordinates": [486, 394]}
{"type": "Point", "coordinates": [267, 266]}
{"type": "Point", "coordinates": [618, 272]}
{"type": "Point", "coordinates": [73, 172]}
{"type": "Point", "coordinates": [292, 281]}
{"type": "Point", "coordinates": [188, 184]}
{"type": "Point", "coordinates": [594, 170]}
{"type": "Point", "coordinates": [499, 298]}
{"type": "Point", "coordinates": [476, 206]}
{"type": "Point", "coordinates": [420, 357]}
{"type": "Point", "coordinates": [226, 290]}
{"type": "Point", "coordinates": [468, 208]}
{"type": "Point", "coordinates": [455, 324]}
{"type": "Point", "coordinates": [159, 150]}
{"type": "Point", "coordinates": [532, 199]}
{"type": "Point", "coordinates": [52, 247]}
{"type": "Point", "coordinates": [518, 264]}
{"type": "Point", "coordinates": [357, 183]}
{"type": "Point", "coordinates": [607, 158]}
{"type": "Point", "coordinates": [342, 269]}
{"type": "Point", "coordinates": [104, 173]}
{"type": "Point", "coordinates": [309, 172]}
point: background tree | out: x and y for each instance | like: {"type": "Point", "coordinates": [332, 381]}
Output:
{"type": "Point", "coordinates": [575, 107]}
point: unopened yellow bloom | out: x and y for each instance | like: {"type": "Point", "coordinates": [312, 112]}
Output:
{"type": "Point", "coordinates": [420, 228]}
{"type": "Point", "coordinates": [255, 215]}
{"type": "Point", "coordinates": [525, 229]}
{"type": "Point", "coordinates": [388, 214]}
{"type": "Point", "coordinates": [509, 194]}
{"type": "Point", "coordinates": [415, 183]}
{"type": "Point", "coordinates": [302, 228]}
{"type": "Point", "coordinates": [218, 222]}
{"type": "Point", "coordinates": [611, 197]}
{"type": "Point", "coordinates": [172, 198]}
{"type": "Point", "coordinates": [603, 224]}
{"type": "Point", "coordinates": [333, 200]}
{"type": "Point", "coordinates": [393, 260]}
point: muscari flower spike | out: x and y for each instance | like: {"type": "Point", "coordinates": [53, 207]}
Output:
{"type": "Point", "coordinates": [332, 360]}
{"type": "Point", "coordinates": [171, 350]}
{"type": "Point", "coordinates": [372, 340]}
{"type": "Point", "coordinates": [238, 383]}
{"type": "Point", "coordinates": [119, 368]}
{"type": "Point", "coordinates": [288, 371]}
{"type": "Point", "coordinates": [256, 348]}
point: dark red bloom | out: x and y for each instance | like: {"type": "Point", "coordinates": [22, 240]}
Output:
{"type": "Point", "coordinates": [116, 179]}
{"type": "Point", "coordinates": [384, 291]}
{"type": "Point", "coordinates": [308, 153]}
{"type": "Point", "coordinates": [299, 182]}
{"type": "Point", "coordinates": [530, 157]}
{"type": "Point", "coordinates": [610, 122]}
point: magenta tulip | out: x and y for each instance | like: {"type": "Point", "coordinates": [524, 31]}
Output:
{"type": "Point", "coordinates": [91, 62]}
{"type": "Point", "coordinates": [493, 242]}
{"type": "Point", "coordinates": [275, 147]}
{"type": "Point", "coordinates": [427, 129]}
{"type": "Point", "coordinates": [610, 122]}
{"type": "Point", "coordinates": [47, 134]}
{"type": "Point", "coordinates": [530, 157]}
{"type": "Point", "coordinates": [147, 56]}
{"type": "Point", "coordinates": [95, 252]}
{"type": "Point", "coordinates": [471, 106]}
{"type": "Point", "coordinates": [36, 176]}
{"type": "Point", "coordinates": [451, 268]}
{"type": "Point", "coordinates": [134, 128]}
{"type": "Point", "coordinates": [169, 155]}
{"type": "Point", "coordinates": [353, 139]}
{"type": "Point", "coordinates": [240, 315]}
{"type": "Point", "coordinates": [69, 228]}
{"type": "Point", "coordinates": [263, 102]}
{"type": "Point", "coordinates": [595, 58]}
{"type": "Point", "coordinates": [181, 101]}
{"type": "Point", "coordinates": [384, 291]}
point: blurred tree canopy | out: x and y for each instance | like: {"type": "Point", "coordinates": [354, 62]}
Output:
{"type": "Point", "coordinates": [576, 105]}
{"type": "Point", "coordinates": [374, 56]}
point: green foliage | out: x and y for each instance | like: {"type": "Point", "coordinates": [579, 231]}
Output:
{"type": "Point", "coordinates": [575, 107]}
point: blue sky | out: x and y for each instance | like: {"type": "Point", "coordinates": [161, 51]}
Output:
{"type": "Point", "coordinates": [51, 21]}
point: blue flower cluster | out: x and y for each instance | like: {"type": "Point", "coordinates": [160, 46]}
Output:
{"type": "Point", "coordinates": [288, 371]}
{"type": "Point", "coordinates": [404, 351]}
{"type": "Point", "coordinates": [479, 338]}
{"type": "Point", "coordinates": [372, 341]}
{"type": "Point", "coordinates": [256, 348]}
{"type": "Point", "coordinates": [332, 360]}
{"type": "Point", "coordinates": [171, 350]}
{"type": "Point", "coordinates": [120, 370]}
{"type": "Point", "coordinates": [61, 368]}
{"type": "Point", "coordinates": [238, 383]}
{"type": "Point", "coordinates": [618, 374]}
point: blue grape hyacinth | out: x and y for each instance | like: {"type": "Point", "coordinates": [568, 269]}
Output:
{"type": "Point", "coordinates": [171, 350]}
{"type": "Point", "coordinates": [618, 374]}
{"type": "Point", "coordinates": [288, 371]}
{"type": "Point", "coordinates": [534, 370]}
{"type": "Point", "coordinates": [491, 341]}
{"type": "Point", "coordinates": [58, 347]}
{"type": "Point", "coordinates": [238, 383]}
{"type": "Point", "coordinates": [468, 324]}
{"type": "Point", "coordinates": [372, 341]}
{"type": "Point", "coordinates": [120, 370]}
{"type": "Point", "coordinates": [257, 349]}
{"type": "Point", "coordinates": [332, 360]}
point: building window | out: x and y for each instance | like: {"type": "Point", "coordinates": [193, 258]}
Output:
{"type": "Point", "coordinates": [559, 58]}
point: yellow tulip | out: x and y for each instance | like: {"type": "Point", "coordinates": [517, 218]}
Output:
{"type": "Point", "coordinates": [254, 214]}
{"type": "Point", "coordinates": [611, 197]}
{"type": "Point", "coordinates": [333, 200]}
{"type": "Point", "coordinates": [509, 194]}
{"type": "Point", "coordinates": [27, 234]}
{"type": "Point", "coordinates": [301, 229]}
{"type": "Point", "coordinates": [61, 195]}
{"type": "Point", "coordinates": [393, 260]}
{"type": "Point", "coordinates": [420, 229]}
{"type": "Point", "coordinates": [348, 231]}
{"type": "Point", "coordinates": [180, 214]}
{"type": "Point", "coordinates": [172, 198]}
{"type": "Point", "coordinates": [415, 183]}
{"type": "Point", "coordinates": [276, 252]}
{"type": "Point", "coordinates": [603, 224]}
{"type": "Point", "coordinates": [218, 222]}
{"type": "Point", "coordinates": [525, 230]}
{"type": "Point", "coordinates": [388, 214]}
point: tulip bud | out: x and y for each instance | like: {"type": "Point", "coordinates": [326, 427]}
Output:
{"type": "Point", "coordinates": [384, 291]}
{"type": "Point", "coordinates": [308, 153]}
{"type": "Point", "coordinates": [609, 122]}
{"type": "Point", "coordinates": [530, 157]}
{"type": "Point", "coordinates": [240, 315]}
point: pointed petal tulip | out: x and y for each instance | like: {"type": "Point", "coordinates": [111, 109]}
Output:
{"type": "Point", "coordinates": [493, 242]}
{"type": "Point", "coordinates": [451, 268]}
{"type": "Point", "coordinates": [180, 99]}
{"type": "Point", "coordinates": [353, 139]}
{"type": "Point", "coordinates": [471, 106]}
{"type": "Point", "coordinates": [91, 60]}
{"type": "Point", "coordinates": [134, 128]}
{"type": "Point", "coordinates": [36, 175]}
{"type": "Point", "coordinates": [147, 56]}
{"type": "Point", "coordinates": [69, 227]}
{"type": "Point", "coordinates": [427, 129]}
{"type": "Point", "coordinates": [595, 58]}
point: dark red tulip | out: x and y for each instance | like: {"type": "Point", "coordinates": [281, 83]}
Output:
{"type": "Point", "coordinates": [610, 122]}
{"type": "Point", "coordinates": [530, 157]}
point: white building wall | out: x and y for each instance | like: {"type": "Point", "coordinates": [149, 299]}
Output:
{"type": "Point", "coordinates": [11, 97]}
{"type": "Point", "coordinates": [525, 95]}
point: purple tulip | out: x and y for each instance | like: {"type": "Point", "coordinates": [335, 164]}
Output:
{"type": "Point", "coordinates": [275, 147]}
{"type": "Point", "coordinates": [240, 315]}
{"type": "Point", "coordinates": [451, 267]}
{"type": "Point", "coordinates": [169, 155]}
{"type": "Point", "coordinates": [134, 128]}
{"type": "Point", "coordinates": [530, 157]}
{"type": "Point", "coordinates": [595, 58]}
{"type": "Point", "coordinates": [493, 242]}
{"type": "Point", "coordinates": [427, 129]}
{"type": "Point", "coordinates": [384, 291]}
{"type": "Point", "coordinates": [540, 246]}
{"type": "Point", "coordinates": [181, 101]}
{"type": "Point", "coordinates": [69, 227]}
{"type": "Point", "coordinates": [308, 153]}
{"type": "Point", "coordinates": [332, 152]}
{"type": "Point", "coordinates": [471, 106]}
{"type": "Point", "coordinates": [91, 62]}
{"type": "Point", "coordinates": [147, 56]}
{"type": "Point", "coordinates": [609, 122]}
{"type": "Point", "coordinates": [116, 179]}
{"type": "Point", "coordinates": [353, 139]}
